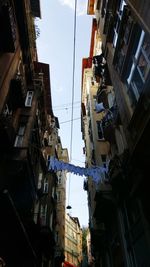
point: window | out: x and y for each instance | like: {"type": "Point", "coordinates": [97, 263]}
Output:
{"type": "Point", "coordinates": [143, 64]}
{"type": "Point", "coordinates": [50, 140]}
{"type": "Point", "coordinates": [48, 160]}
{"type": "Point", "coordinates": [57, 236]}
{"type": "Point", "coordinates": [53, 192]}
{"type": "Point", "coordinates": [59, 177]}
{"type": "Point", "coordinates": [93, 159]}
{"type": "Point", "coordinates": [140, 68]}
{"type": "Point", "coordinates": [18, 141]}
{"type": "Point", "coordinates": [45, 189]}
{"type": "Point", "coordinates": [103, 157]}
{"type": "Point", "coordinates": [58, 196]}
{"type": "Point", "coordinates": [100, 130]}
{"type": "Point", "coordinates": [127, 30]}
{"type": "Point", "coordinates": [88, 108]}
{"type": "Point", "coordinates": [94, 101]}
{"type": "Point", "coordinates": [59, 180]}
{"type": "Point", "coordinates": [146, 46]}
{"type": "Point", "coordinates": [28, 100]}
{"type": "Point", "coordinates": [21, 130]}
{"type": "Point", "coordinates": [39, 180]}
{"type": "Point", "coordinates": [51, 221]}
{"type": "Point", "coordinates": [103, 10]}
{"type": "Point", "coordinates": [19, 136]}
{"type": "Point", "coordinates": [43, 213]}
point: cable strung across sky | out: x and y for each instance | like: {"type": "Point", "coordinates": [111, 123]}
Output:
{"type": "Point", "coordinates": [73, 86]}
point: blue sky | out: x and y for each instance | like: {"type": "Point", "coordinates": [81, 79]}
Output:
{"type": "Point", "coordinates": [55, 47]}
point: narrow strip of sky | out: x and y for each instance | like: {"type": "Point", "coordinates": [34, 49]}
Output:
{"type": "Point", "coordinates": [73, 82]}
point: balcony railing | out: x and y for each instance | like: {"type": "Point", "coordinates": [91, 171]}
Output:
{"type": "Point", "coordinates": [100, 70]}
{"type": "Point", "coordinates": [117, 173]}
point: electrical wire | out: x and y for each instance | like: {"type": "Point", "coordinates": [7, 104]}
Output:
{"type": "Point", "coordinates": [67, 104]}
{"type": "Point", "coordinates": [66, 108]}
{"type": "Point", "coordinates": [73, 79]}
{"type": "Point", "coordinates": [69, 120]}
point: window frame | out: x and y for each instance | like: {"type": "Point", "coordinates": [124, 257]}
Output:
{"type": "Point", "coordinates": [99, 124]}
{"type": "Point", "coordinates": [20, 135]}
{"type": "Point", "coordinates": [29, 98]}
{"type": "Point", "coordinates": [45, 187]}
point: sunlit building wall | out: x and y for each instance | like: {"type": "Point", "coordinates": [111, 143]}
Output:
{"type": "Point", "coordinates": [61, 203]}
{"type": "Point", "coordinates": [120, 213]}
{"type": "Point", "coordinates": [73, 241]}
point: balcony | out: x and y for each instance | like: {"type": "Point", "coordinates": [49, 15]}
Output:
{"type": "Point", "coordinates": [117, 174]}
{"type": "Point", "coordinates": [109, 134]}
{"type": "Point", "coordinates": [35, 8]}
{"type": "Point", "coordinates": [102, 95]}
{"type": "Point", "coordinates": [22, 10]}
{"type": "Point", "coordinates": [7, 132]}
{"type": "Point", "coordinates": [109, 124]}
{"type": "Point", "coordinates": [16, 95]}
{"type": "Point", "coordinates": [27, 141]}
{"type": "Point", "coordinates": [100, 71]}
{"type": "Point", "coordinates": [8, 29]}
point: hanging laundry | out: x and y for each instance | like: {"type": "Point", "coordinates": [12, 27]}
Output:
{"type": "Point", "coordinates": [99, 107]}
{"type": "Point", "coordinates": [97, 173]}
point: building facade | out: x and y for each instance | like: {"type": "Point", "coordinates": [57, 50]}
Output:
{"type": "Point", "coordinates": [61, 207]}
{"type": "Point", "coordinates": [119, 222]}
{"type": "Point", "coordinates": [89, 253]}
{"type": "Point", "coordinates": [28, 137]}
{"type": "Point", "coordinates": [73, 242]}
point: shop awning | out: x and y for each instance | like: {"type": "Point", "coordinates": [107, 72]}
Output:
{"type": "Point", "coordinates": [68, 264]}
